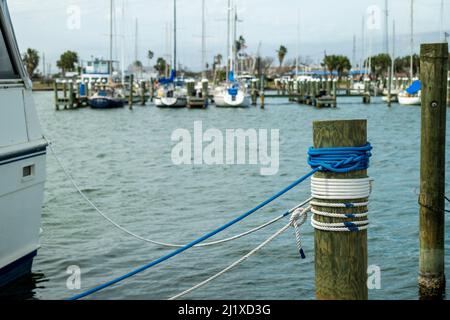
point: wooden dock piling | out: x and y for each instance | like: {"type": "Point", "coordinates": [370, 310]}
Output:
{"type": "Point", "coordinates": [366, 94]}
{"type": "Point", "coordinates": [131, 93]}
{"type": "Point", "coordinates": [341, 258]}
{"type": "Point", "coordinates": [434, 68]}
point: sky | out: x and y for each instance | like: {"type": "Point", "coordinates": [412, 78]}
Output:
{"type": "Point", "coordinates": [308, 27]}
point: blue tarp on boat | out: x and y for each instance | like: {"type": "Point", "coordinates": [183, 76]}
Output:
{"type": "Point", "coordinates": [415, 87]}
{"type": "Point", "coordinates": [168, 80]}
{"type": "Point", "coordinates": [231, 76]}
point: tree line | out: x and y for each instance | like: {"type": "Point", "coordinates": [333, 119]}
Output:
{"type": "Point", "coordinates": [340, 64]}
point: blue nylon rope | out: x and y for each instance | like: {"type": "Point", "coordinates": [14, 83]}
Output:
{"type": "Point", "coordinates": [330, 159]}
{"type": "Point", "coordinates": [340, 160]}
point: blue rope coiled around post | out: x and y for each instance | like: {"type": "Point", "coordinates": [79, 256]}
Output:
{"type": "Point", "coordinates": [340, 160]}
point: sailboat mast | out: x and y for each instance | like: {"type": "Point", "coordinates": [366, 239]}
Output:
{"type": "Point", "coordinates": [298, 45]}
{"type": "Point", "coordinates": [235, 20]}
{"type": "Point", "coordinates": [136, 55]}
{"type": "Point", "coordinates": [363, 46]}
{"type": "Point", "coordinates": [203, 39]}
{"type": "Point", "coordinates": [442, 22]}
{"type": "Point", "coordinates": [228, 39]}
{"type": "Point", "coordinates": [175, 35]}
{"type": "Point", "coordinates": [412, 41]}
{"type": "Point", "coordinates": [386, 27]}
{"type": "Point", "coordinates": [122, 51]}
{"type": "Point", "coordinates": [393, 50]}
{"type": "Point", "coordinates": [111, 37]}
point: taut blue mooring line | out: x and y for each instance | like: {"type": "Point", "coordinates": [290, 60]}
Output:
{"type": "Point", "coordinates": [331, 159]}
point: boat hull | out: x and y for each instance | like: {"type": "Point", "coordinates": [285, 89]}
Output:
{"type": "Point", "coordinates": [227, 101]}
{"type": "Point", "coordinates": [409, 101]}
{"type": "Point", "coordinates": [23, 173]}
{"type": "Point", "coordinates": [170, 102]}
{"type": "Point", "coordinates": [17, 269]}
{"type": "Point", "coordinates": [105, 103]}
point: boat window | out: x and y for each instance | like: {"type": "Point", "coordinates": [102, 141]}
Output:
{"type": "Point", "coordinates": [7, 70]}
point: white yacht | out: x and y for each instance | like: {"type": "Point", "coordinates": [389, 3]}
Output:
{"type": "Point", "coordinates": [231, 95]}
{"type": "Point", "coordinates": [22, 161]}
{"type": "Point", "coordinates": [412, 95]}
{"type": "Point", "coordinates": [171, 92]}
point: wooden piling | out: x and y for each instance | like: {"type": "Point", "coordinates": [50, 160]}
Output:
{"type": "Point", "coordinates": [205, 93]}
{"type": "Point", "coordinates": [341, 257]}
{"type": "Point", "coordinates": [253, 92]}
{"type": "Point", "coordinates": [366, 94]}
{"type": "Point", "coordinates": [71, 95]}
{"type": "Point", "coordinates": [55, 90]}
{"type": "Point", "coordinates": [434, 68]}
{"type": "Point", "coordinates": [143, 91]}
{"type": "Point", "coordinates": [131, 93]}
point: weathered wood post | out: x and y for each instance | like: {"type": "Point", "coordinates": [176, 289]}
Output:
{"type": "Point", "coordinates": [65, 94]}
{"type": "Point", "coordinates": [55, 90]}
{"type": "Point", "coordinates": [143, 91]}
{"type": "Point", "coordinates": [130, 97]}
{"type": "Point", "coordinates": [151, 89]}
{"type": "Point", "coordinates": [366, 94]}
{"type": "Point", "coordinates": [253, 92]}
{"type": "Point", "coordinates": [341, 257]}
{"type": "Point", "coordinates": [328, 87]}
{"type": "Point", "coordinates": [261, 93]}
{"type": "Point", "coordinates": [205, 94]}
{"type": "Point", "coordinates": [71, 95]}
{"type": "Point", "coordinates": [434, 67]}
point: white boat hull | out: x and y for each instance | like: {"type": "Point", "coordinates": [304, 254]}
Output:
{"type": "Point", "coordinates": [21, 201]}
{"type": "Point", "coordinates": [409, 101]}
{"type": "Point", "coordinates": [22, 162]}
{"type": "Point", "coordinates": [223, 99]}
{"type": "Point", "coordinates": [170, 102]}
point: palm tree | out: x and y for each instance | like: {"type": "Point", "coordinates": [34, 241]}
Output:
{"type": "Point", "coordinates": [31, 60]}
{"type": "Point", "coordinates": [331, 63]}
{"type": "Point", "coordinates": [343, 65]}
{"type": "Point", "coordinates": [282, 54]}
{"type": "Point", "coordinates": [150, 56]}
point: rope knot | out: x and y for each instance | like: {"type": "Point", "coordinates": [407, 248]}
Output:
{"type": "Point", "coordinates": [298, 218]}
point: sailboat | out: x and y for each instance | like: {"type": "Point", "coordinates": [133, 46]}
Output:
{"type": "Point", "coordinates": [22, 161]}
{"type": "Point", "coordinates": [232, 93]}
{"type": "Point", "coordinates": [106, 97]}
{"type": "Point", "coordinates": [199, 96]}
{"type": "Point", "coordinates": [171, 92]}
{"type": "Point", "coordinates": [412, 95]}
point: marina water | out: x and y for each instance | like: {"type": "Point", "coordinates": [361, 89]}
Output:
{"type": "Point", "coordinates": [122, 160]}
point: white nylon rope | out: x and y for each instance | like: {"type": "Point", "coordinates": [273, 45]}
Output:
{"type": "Point", "coordinates": [299, 217]}
{"type": "Point", "coordinates": [340, 189]}
{"type": "Point", "coordinates": [158, 243]}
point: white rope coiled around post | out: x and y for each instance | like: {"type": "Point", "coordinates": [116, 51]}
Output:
{"type": "Point", "coordinates": [349, 190]}
{"type": "Point", "coordinates": [340, 189]}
